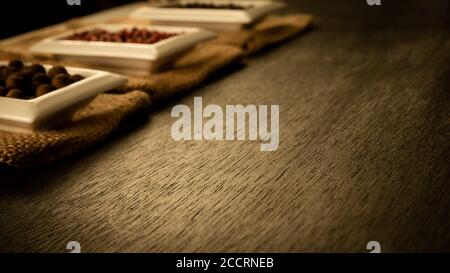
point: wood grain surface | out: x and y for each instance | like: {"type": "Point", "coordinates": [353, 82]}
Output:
{"type": "Point", "coordinates": [364, 153]}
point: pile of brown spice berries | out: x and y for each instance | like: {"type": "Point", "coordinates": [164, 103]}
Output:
{"type": "Point", "coordinates": [21, 81]}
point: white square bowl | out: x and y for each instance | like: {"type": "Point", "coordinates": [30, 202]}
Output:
{"type": "Point", "coordinates": [128, 58]}
{"type": "Point", "coordinates": [21, 115]}
{"type": "Point", "coordinates": [216, 19]}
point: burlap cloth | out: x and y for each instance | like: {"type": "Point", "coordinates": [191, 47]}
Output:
{"type": "Point", "coordinates": [102, 116]}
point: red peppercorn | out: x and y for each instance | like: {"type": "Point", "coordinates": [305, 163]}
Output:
{"type": "Point", "coordinates": [133, 35]}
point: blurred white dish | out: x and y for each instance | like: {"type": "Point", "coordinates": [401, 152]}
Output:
{"type": "Point", "coordinates": [206, 17]}
{"type": "Point", "coordinates": [21, 115]}
{"type": "Point", "coordinates": [128, 58]}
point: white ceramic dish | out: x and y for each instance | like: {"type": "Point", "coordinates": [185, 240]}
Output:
{"type": "Point", "coordinates": [216, 19]}
{"type": "Point", "coordinates": [20, 115]}
{"type": "Point", "coordinates": [128, 58]}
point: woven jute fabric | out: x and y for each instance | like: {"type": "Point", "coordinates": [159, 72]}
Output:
{"type": "Point", "coordinates": [193, 68]}
{"type": "Point", "coordinates": [269, 31]}
{"type": "Point", "coordinates": [101, 117]}
{"type": "Point", "coordinates": [188, 72]}
{"type": "Point", "coordinates": [86, 128]}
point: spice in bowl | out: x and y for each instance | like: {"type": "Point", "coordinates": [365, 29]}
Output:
{"type": "Point", "coordinates": [209, 6]}
{"type": "Point", "coordinates": [21, 81]}
{"type": "Point", "coordinates": [134, 35]}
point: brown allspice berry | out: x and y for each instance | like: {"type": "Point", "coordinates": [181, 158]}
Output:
{"type": "Point", "coordinates": [16, 94]}
{"type": "Point", "coordinates": [15, 81]}
{"type": "Point", "coordinates": [61, 80]}
{"type": "Point", "coordinates": [44, 89]}
{"type": "Point", "coordinates": [16, 64]}
{"type": "Point", "coordinates": [5, 73]}
{"type": "Point", "coordinates": [35, 85]}
{"type": "Point", "coordinates": [40, 78]}
{"type": "Point", "coordinates": [55, 70]}
{"type": "Point", "coordinates": [38, 68]}
{"type": "Point", "coordinates": [27, 73]}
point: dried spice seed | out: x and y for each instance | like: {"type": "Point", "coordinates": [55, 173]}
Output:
{"type": "Point", "coordinates": [44, 89]}
{"type": "Point", "coordinates": [26, 73]}
{"type": "Point", "coordinates": [17, 64]}
{"type": "Point", "coordinates": [15, 81]}
{"type": "Point", "coordinates": [41, 78]}
{"type": "Point", "coordinates": [16, 94]}
{"type": "Point", "coordinates": [55, 70]}
{"type": "Point", "coordinates": [61, 80]}
{"type": "Point", "coordinates": [37, 68]}
{"type": "Point", "coordinates": [6, 72]}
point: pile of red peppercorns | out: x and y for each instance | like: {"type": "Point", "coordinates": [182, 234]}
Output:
{"type": "Point", "coordinates": [210, 6]}
{"type": "Point", "coordinates": [21, 81]}
{"type": "Point", "coordinates": [134, 35]}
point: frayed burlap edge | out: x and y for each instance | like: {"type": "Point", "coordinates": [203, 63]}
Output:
{"type": "Point", "coordinates": [86, 128]}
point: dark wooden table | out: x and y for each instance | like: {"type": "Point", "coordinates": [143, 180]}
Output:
{"type": "Point", "coordinates": [364, 154]}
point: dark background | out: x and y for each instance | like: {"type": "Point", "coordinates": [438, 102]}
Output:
{"type": "Point", "coordinates": [19, 16]}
